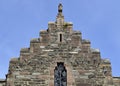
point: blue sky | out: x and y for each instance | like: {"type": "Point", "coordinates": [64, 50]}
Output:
{"type": "Point", "coordinates": [21, 20]}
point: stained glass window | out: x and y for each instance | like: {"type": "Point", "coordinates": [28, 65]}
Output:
{"type": "Point", "coordinates": [60, 75]}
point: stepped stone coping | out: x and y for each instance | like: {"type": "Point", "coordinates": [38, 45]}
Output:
{"type": "Point", "coordinates": [24, 49]}
{"type": "Point", "coordinates": [43, 31]}
{"type": "Point", "coordinates": [35, 40]}
{"type": "Point", "coordinates": [68, 23]}
{"type": "Point", "coordinates": [106, 60]}
{"type": "Point", "coordinates": [2, 80]}
{"type": "Point", "coordinates": [51, 22]}
{"type": "Point", "coordinates": [116, 78]}
{"type": "Point", "coordinates": [86, 41]}
{"type": "Point", "coordinates": [95, 50]}
{"type": "Point", "coordinates": [14, 59]}
{"type": "Point", "coordinates": [76, 32]}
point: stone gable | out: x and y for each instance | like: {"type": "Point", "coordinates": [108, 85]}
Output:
{"type": "Point", "coordinates": [60, 57]}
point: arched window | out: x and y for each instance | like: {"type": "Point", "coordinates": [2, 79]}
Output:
{"type": "Point", "coordinates": [60, 75]}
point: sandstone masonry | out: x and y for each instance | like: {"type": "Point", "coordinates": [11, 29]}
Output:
{"type": "Point", "coordinates": [60, 57]}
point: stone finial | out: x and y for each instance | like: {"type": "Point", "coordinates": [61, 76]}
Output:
{"type": "Point", "coordinates": [60, 17]}
{"type": "Point", "coordinates": [60, 8]}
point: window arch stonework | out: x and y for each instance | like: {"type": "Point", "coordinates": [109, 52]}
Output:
{"type": "Point", "coordinates": [60, 75]}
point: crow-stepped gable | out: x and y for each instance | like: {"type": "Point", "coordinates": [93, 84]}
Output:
{"type": "Point", "coordinates": [60, 57]}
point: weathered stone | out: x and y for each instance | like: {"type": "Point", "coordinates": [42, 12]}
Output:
{"type": "Point", "coordinates": [60, 57]}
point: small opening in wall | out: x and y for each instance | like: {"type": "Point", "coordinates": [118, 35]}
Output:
{"type": "Point", "coordinates": [60, 37]}
{"type": "Point", "coordinates": [94, 61]}
{"type": "Point", "coordinates": [88, 62]}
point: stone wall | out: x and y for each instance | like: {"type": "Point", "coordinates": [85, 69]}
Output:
{"type": "Point", "coordinates": [2, 82]}
{"type": "Point", "coordinates": [60, 43]}
{"type": "Point", "coordinates": [116, 81]}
